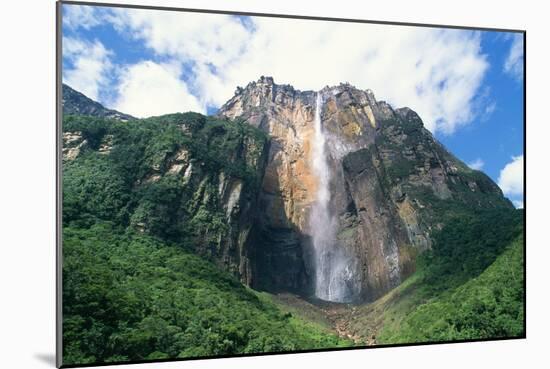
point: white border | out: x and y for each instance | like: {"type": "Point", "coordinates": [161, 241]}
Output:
{"type": "Point", "coordinates": [27, 184]}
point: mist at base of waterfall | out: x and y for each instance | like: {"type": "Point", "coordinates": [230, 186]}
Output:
{"type": "Point", "coordinates": [335, 277]}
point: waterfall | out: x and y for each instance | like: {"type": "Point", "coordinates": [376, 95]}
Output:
{"type": "Point", "coordinates": [334, 269]}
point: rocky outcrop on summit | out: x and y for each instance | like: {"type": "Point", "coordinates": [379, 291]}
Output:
{"type": "Point", "coordinates": [76, 103]}
{"type": "Point", "coordinates": [392, 183]}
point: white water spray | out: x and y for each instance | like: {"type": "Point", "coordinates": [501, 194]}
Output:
{"type": "Point", "coordinates": [334, 270]}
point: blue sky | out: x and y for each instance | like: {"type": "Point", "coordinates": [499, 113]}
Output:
{"type": "Point", "coordinates": [496, 137]}
{"type": "Point", "coordinates": [467, 86]}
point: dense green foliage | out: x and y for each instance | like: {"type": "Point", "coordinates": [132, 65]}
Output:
{"type": "Point", "coordinates": [119, 187]}
{"type": "Point", "coordinates": [407, 150]}
{"type": "Point", "coordinates": [470, 286]}
{"type": "Point", "coordinates": [467, 246]}
{"type": "Point", "coordinates": [465, 202]}
{"type": "Point", "coordinates": [131, 297]}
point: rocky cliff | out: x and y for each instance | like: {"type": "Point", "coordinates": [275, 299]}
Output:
{"type": "Point", "coordinates": [392, 184]}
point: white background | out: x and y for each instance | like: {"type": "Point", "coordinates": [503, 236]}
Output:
{"type": "Point", "coordinates": [27, 182]}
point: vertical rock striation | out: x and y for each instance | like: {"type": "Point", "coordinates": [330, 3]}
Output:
{"type": "Point", "coordinates": [289, 185]}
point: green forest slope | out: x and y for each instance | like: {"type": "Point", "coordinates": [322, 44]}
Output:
{"type": "Point", "coordinates": [470, 286]}
{"type": "Point", "coordinates": [132, 297]}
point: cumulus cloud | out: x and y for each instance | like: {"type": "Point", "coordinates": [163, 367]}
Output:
{"type": "Point", "coordinates": [80, 16]}
{"type": "Point", "coordinates": [476, 164]}
{"type": "Point", "coordinates": [510, 179]}
{"type": "Point", "coordinates": [436, 72]}
{"type": "Point", "coordinates": [210, 44]}
{"type": "Point", "coordinates": [90, 65]}
{"type": "Point", "coordinates": [148, 88]}
{"type": "Point", "coordinates": [518, 204]}
{"type": "Point", "coordinates": [203, 38]}
{"type": "Point", "coordinates": [513, 65]}
{"type": "Point", "coordinates": [490, 108]}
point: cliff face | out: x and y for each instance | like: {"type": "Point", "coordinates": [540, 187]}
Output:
{"type": "Point", "coordinates": [289, 184]}
{"type": "Point", "coordinates": [392, 184]}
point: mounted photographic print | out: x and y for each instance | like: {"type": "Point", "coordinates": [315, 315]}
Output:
{"type": "Point", "coordinates": [243, 184]}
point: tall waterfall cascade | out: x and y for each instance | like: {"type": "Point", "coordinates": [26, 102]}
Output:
{"type": "Point", "coordinates": [334, 268]}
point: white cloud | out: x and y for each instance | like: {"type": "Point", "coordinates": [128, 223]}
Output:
{"type": "Point", "coordinates": [91, 65]}
{"type": "Point", "coordinates": [212, 44]}
{"type": "Point", "coordinates": [510, 179]}
{"type": "Point", "coordinates": [477, 164]}
{"type": "Point", "coordinates": [148, 88]}
{"type": "Point", "coordinates": [203, 38]}
{"type": "Point", "coordinates": [518, 204]}
{"type": "Point", "coordinates": [80, 16]}
{"type": "Point", "coordinates": [490, 108]}
{"type": "Point", "coordinates": [436, 72]}
{"type": "Point", "coordinates": [514, 61]}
